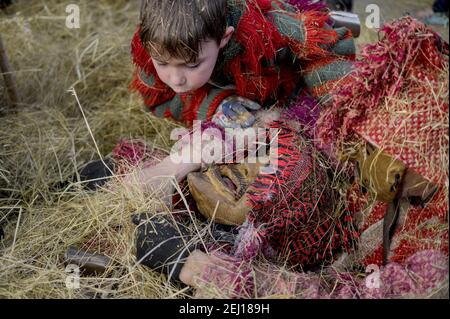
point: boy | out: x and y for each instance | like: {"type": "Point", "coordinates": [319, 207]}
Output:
{"type": "Point", "coordinates": [219, 60]}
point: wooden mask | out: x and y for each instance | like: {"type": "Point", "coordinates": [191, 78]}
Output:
{"type": "Point", "coordinates": [220, 191]}
{"type": "Point", "coordinates": [379, 172]}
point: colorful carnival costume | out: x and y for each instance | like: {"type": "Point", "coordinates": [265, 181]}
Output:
{"type": "Point", "coordinates": [289, 215]}
{"type": "Point", "coordinates": [393, 114]}
{"type": "Point", "coordinates": [274, 47]}
{"type": "Point", "coordinates": [301, 232]}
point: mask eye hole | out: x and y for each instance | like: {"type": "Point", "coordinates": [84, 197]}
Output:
{"type": "Point", "coordinates": [396, 183]}
{"type": "Point", "coordinates": [358, 170]}
{"type": "Point", "coordinates": [369, 149]}
{"type": "Point", "coordinates": [229, 183]}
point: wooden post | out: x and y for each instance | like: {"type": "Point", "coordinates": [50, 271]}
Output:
{"type": "Point", "coordinates": [8, 75]}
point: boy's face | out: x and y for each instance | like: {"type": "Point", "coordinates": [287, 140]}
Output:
{"type": "Point", "coordinates": [183, 77]}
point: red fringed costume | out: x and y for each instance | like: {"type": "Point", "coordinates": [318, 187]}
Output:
{"type": "Point", "coordinates": [275, 51]}
{"type": "Point", "coordinates": [397, 99]}
{"type": "Point", "coordinates": [295, 216]}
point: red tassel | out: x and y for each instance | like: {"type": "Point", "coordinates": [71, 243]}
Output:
{"type": "Point", "coordinates": [140, 56]}
{"type": "Point", "coordinates": [316, 36]}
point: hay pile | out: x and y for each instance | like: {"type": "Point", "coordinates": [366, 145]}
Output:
{"type": "Point", "coordinates": [46, 140]}
{"type": "Point", "coordinates": [52, 133]}
{"type": "Point", "coordinates": [50, 136]}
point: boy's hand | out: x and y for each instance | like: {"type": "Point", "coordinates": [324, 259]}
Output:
{"type": "Point", "coordinates": [235, 112]}
{"type": "Point", "coordinates": [160, 177]}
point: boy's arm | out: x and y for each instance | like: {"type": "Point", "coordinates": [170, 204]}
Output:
{"type": "Point", "coordinates": [163, 101]}
{"type": "Point", "coordinates": [326, 54]}
{"type": "Point", "coordinates": [324, 74]}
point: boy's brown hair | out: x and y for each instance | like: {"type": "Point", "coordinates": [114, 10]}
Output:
{"type": "Point", "coordinates": [178, 27]}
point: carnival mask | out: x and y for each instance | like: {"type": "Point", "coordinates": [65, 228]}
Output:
{"type": "Point", "coordinates": [388, 177]}
{"type": "Point", "coordinates": [379, 172]}
{"type": "Point", "coordinates": [220, 191]}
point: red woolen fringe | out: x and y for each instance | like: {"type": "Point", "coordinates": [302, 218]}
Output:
{"type": "Point", "coordinates": [140, 56]}
{"type": "Point", "coordinates": [266, 187]}
{"type": "Point", "coordinates": [260, 39]}
{"type": "Point", "coordinates": [315, 36]}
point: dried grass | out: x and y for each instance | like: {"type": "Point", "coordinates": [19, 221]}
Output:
{"type": "Point", "coordinates": [45, 141]}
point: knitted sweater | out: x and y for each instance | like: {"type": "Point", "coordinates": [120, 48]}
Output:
{"type": "Point", "coordinates": [276, 51]}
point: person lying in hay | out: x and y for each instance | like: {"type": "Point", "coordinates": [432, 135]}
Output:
{"type": "Point", "coordinates": [279, 250]}
{"type": "Point", "coordinates": [288, 216]}
{"type": "Point", "coordinates": [222, 60]}
{"type": "Point", "coordinates": [294, 233]}
{"type": "Point", "coordinates": [392, 123]}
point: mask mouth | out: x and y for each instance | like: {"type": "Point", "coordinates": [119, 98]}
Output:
{"type": "Point", "coordinates": [231, 179]}
{"type": "Point", "coordinates": [216, 193]}
{"type": "Point", "coordinates": [229, 183]}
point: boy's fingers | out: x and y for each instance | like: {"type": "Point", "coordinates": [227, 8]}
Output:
{"type": "Point", "coordinates": [249, 104]}
{"type": "Point", "coordinates": [238, 109]}
{"type": "Point", "coordinates": [245, 118]}
{"type": "Point", "coordinates": [225, 122]}
{"type": "Point", "coordinates": [229, 111]}
{"type": "Point", "coordinates": [249, 121]}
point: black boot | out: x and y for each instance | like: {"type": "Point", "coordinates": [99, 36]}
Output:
{"type": "Point", "coordinates": [161, 245]}
{"type": "Point", "coordinates": [96, 173]}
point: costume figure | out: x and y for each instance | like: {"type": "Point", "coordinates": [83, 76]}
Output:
{"type": "Point", "coordinates": [291, 214]}
{"type": "Point", "coordinates": [392, 121]}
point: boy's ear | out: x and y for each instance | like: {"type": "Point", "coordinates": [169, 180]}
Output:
{"type": "Point", "coordinates": [227, 37]}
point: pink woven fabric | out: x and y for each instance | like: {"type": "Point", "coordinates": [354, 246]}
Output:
{"type": "Point", "coordinates": [128, 154]}
{"type": "Point", "coordinates": [424, 275]}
